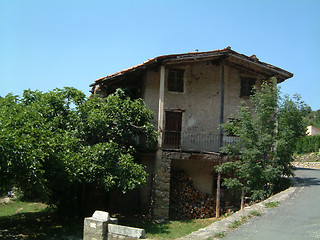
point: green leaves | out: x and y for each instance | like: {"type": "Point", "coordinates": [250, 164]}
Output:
{"type": "Point", "coordinates": [52, 142]}
{"type": "Point", "coordinates": [267, 135]}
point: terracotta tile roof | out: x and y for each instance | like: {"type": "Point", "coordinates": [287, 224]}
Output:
{"type": "Point", "coordinates": [197, 56]}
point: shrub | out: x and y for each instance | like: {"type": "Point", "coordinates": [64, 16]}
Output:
{"type": "Point", "coordinates": [308, 144]}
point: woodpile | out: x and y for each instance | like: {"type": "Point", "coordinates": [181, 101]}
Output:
{"type": "Point", "coordinates": [186, 202]}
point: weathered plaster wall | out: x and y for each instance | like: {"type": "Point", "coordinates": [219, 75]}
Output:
{"type": "Point", "coordinates": [150, 91]}
{"type": "Point", "coordinates": [201, 99]}
{"type": "Point", "coordinates": [232, 92]}
{"type": "Point", "coordinates": [232, 89]}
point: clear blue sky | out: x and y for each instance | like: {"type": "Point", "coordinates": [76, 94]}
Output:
{"type": "Point", "coordinates": [45, 44]}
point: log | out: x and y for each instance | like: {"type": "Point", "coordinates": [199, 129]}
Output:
{"type": "Point", "coordinates": [187, 202]}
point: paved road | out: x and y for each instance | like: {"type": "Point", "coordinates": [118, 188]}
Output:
{"type": "Point", "coordinates": [296, 219]}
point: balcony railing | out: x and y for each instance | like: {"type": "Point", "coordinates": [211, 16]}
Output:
{"type": "Point", "coordinates": [188, 141]}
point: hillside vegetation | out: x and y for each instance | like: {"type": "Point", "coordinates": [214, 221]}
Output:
{"type": "Point", "coordinates": [313, 118]}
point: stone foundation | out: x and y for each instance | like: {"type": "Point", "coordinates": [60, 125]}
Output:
{"type": "Point", "coordinates": [201, 166]}
{"type": "Point", "coordinates": [161, 186]}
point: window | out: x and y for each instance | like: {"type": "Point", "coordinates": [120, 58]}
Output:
{"type": "Point", "coordinates": [247, 86]}
{"type": "Point", "coordinates": [175, 80]}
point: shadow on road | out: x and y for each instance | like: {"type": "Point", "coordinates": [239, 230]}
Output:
{"type": "Point", "coordinates": [307, 181]}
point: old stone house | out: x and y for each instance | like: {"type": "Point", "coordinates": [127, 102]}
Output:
{"type": "Point", "coordinates": [190, 94]}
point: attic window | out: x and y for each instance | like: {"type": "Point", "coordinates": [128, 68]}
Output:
{"type": "Point", "coordinates": [175, 80]}
{"type": "Point", "coordinates": [247, 86]}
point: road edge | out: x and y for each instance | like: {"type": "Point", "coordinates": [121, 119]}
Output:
{"type": "Point", "coordinates": [222, 227]}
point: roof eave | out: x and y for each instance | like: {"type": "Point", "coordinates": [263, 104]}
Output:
{"type": "Point", "coordinates": [278, 72]}
{"type": "Point", "coordinates": [227, 52]}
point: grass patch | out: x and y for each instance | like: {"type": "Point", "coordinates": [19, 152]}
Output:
{"type": "Point", "coordinates": [169, 229]}
{"type": "Point", "coordinates": [220, 235]}
{"type": "Point", "coordinates": [27, 220]}
{"type": "Point", "coordinates": [272, 204]}
{"type": "Point", "coordinates": [15, 207]}
{"type": "Point", "coordinates": [235, 224]}
{"type": "Point", "coordinates": [254, 213]}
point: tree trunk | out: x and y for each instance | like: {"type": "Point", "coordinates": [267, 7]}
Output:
{"type": "Point", "coordinates": [242, 198]}
{"type": "Point", "coordinates": [218, 194]}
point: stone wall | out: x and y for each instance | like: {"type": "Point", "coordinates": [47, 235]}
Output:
{"type": "Point", "coordinates": [312, 157]}
{"type": "Point", "coordinates": [161, 186]}
{"type": "Point", "coordinates": [311, 160]}
{"type": "Point", "coordinates": [313, 165]}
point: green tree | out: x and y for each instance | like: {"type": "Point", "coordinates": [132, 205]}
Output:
{"type": "Point", "coordinates": [292, 127]}
{"type": "Point", "coordinates": [308, 144]}
{"type": "Point", "coordinates": [56, 143]}
{"type": "Point", "coordinates": [266, 136]}
{"type": "Point", "coordinates": [313, 117]}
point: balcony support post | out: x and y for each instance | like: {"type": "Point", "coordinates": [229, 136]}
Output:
{"type": "Point", "coordinates": [162, 167]}
{"type": "Point", "coordinates": [160, 107]}
{"type": "Point", "coordinates": [220, 137]}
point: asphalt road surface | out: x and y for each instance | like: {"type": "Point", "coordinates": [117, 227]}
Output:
{"type": "Point", "coordinates": [296, 219]}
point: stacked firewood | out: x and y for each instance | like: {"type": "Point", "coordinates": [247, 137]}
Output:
{"type": "Point", "coordinates": [186, 202]}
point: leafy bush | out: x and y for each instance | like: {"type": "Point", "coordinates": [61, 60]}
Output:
{"type": "Point", "coordinates": [57, 145]}
{"type": "Point", "coordinates": [308, 144]}
{"type": "Point", "coordinates": [267, 133]}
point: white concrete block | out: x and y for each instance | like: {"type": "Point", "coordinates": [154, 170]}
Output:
{"type": "Point", "coordinates": [126, 231]}
{"type": "Point", "coordinates": [101, 215]}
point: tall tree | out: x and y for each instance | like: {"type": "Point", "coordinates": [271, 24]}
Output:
{"type": "Point", "coordinates": [266, 134]}
{"type": "Point", "coordinates": [292, 126]}
{"type": "Point", "coordinates": [313, 117]}
{"type": "Point", "coordinates": [52, 143]}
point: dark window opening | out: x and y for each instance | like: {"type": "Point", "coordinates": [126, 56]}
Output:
{"type": "Point", "coordinates": [247, 86]}
{"type": "Point", "coordinates": [172, 135]}
{"type": "Point", "coordinates": [175, 80]}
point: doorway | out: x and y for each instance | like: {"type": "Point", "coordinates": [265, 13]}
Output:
{"type": "Point", "coordinates": [172, 135]}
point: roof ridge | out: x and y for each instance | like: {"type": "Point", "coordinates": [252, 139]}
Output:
{"type": "Point", "coordinates": [189, 55]}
